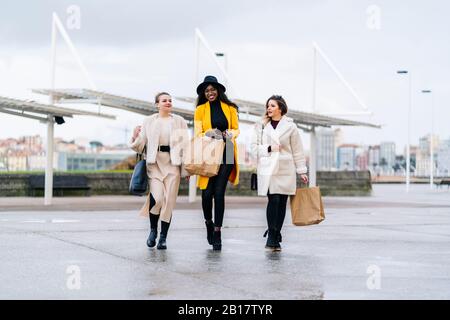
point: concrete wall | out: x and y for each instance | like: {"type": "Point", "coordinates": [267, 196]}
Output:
{"type": "Point", "coordinates": [342, 183]}
{"type": "Point", "coordinates": [13, 185]}
{"type": "Point", "coordinates": [337, 183]}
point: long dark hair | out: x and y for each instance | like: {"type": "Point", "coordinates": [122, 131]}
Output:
{"type": "Point", "coordinates": [201, 99]}
{"type": "Point", "coordinates": [280, 102]}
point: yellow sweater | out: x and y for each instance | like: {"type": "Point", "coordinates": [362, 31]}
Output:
{"type": "Point", "coordinates": [202, 123]}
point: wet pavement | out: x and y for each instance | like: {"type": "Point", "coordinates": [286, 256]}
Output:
{"type": "Point", "coordinates": [392, 245]}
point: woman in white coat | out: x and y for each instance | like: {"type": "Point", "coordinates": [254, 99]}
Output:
{"type": "Point", "coordinates": [279, 150]}
{"type": "Point", "coordinates": [164, 135]}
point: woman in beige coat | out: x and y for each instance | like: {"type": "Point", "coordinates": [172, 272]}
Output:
{"type": "Point", "coordinates": [164, 136]}
{"type": "Point", "coordinates": [279, 150]}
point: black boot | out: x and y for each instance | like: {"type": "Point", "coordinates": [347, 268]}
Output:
{"type": "Point", "coordinates": [272, 239]}
{"type": "Point", "coordinates": [278, 239]}
{"type": "Point", "coordinates": [151, 241]}
{"type": "Point", "coordinates": [209, 231]}
{"type": "Point", "coordinates": [162, 242]}
{"type": "Point", "coordinates": [217, 241]}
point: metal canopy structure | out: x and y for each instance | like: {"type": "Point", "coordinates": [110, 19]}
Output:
{"type": "Point", "coordinates": [99, 98]}
{"type": "Point", "coordinates": [249, 111]}
{"type": "Point", "coordinates": [300, 118]}
{"type": "Point", "coordinates": [39, 111]}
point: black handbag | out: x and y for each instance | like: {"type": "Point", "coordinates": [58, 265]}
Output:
{"type": "Point", "coordinates": [254, 182]}
{"type": "Point", "coordinates": [139, 179]}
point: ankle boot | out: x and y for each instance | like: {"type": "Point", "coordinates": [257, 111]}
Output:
{"type": "Point", "coordinates": [162, 242]}
{"type": "Point", "coordinates": [151, 241]}
{"type": "Point", "coordinates": [272, 239]}
{"type": "Point", "coordinates": [279, 237]}
{"type": "Point", "coordinates": [209, 231]}
{"type": "Point", "coordinates": [217, 241]}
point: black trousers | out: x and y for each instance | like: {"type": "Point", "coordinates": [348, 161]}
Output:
{"type": "Point", "coordinates": [216, 190]}
{"type": "Point", "coordinates": [276, 210]}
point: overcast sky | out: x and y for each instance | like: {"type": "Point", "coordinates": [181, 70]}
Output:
{"type": "Point", "coordinates": [137, 48]}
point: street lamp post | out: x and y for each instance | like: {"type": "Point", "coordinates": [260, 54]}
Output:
{"type": "Point", "coordinates": [431, 139]}
{"type": "Point", "coordinates": [225, 64]}
{"type": "Point", "coordinates": [409, 129]}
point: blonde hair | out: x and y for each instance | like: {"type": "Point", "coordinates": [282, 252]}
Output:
{"type": "Point", "coordinates": [158, 95]}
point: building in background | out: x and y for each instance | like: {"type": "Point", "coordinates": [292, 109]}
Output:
{"type": "Point", "coordinates": [326, 150]}
{"type": "Point", "coordinates": [32, 144]}
{"type": "Point", "coordinates": [89, 161]}
{"type": "Point", "coordinates": [346, 157]}
{"type": "Point", "coordinates": [84, 155]}
{"type": "Point", "coordinates": [443, 159]}
{"type": "Point", "coordinates": [3, 163]}
{"type": "Point", "coordinates": [423, 156]}
{"type": "Point", "coordinates": [28, 154]}
{"type": "Point", "coordinates": [374, 158]}
{"type": "Point", "coordinates": [37, 162]}
{"type": "Point", "coordinates": [387, 157]}
{"type": "Point", "coordinates": [399, 165]}
{"type": "Point", "coordinates": [338, 138]}
{"type": "Point", "coordinates": [16, 160]}
{"type": "Point", "coordinates": [362, 159]}
{"type": "Point", "coordinates": [328, 141]}
{"type": "Point", "coordinates": [413, 150]}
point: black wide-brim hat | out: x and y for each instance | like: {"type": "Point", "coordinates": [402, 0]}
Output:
{"type": "Point", "coordinates": [209, 80]}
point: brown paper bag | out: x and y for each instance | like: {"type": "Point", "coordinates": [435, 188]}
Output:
{"type": "Point", "coordinates": [204, 156]}
{"type": "Point", "coordinates": [307, 207]}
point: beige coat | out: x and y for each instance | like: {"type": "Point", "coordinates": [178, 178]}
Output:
{"type": "Point", "coordinates": [277, 171]}
{"type": "Point", "coordinates": [179, 137]}
{"type": "Point", "coordinates": [149, 136]}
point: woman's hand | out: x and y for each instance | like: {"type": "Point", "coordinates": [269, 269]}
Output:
{"type": "Point", "coordinates": [209, 133]}
{"type": "Point", "coordinates": [136, 132]}
{"type": "Point", "coordinates": [227, 134]}
{"type": "Point", "coordinates": [304, 178]}
{"type": "Point", "coordinates": [275, 148]}
{"type": "Point", "coordinates": [214, 133]}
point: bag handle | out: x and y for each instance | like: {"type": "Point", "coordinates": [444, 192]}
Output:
{"type": "Point", "coordinates": [140, 156]}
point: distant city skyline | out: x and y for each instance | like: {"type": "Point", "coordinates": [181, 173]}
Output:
{"type": "Point", "coordinates": [333, 154]}
{"type": "Point", "coordinates": [382, 158]}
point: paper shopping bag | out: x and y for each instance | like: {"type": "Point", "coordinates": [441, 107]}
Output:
{"type": "Point", "coordinates": [307, 207]}
{"type": "Point", "coordinates": [204, 156]}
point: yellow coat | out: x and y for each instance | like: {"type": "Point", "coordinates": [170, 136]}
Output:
{"type": "Point", "coordinates": [202, 123]}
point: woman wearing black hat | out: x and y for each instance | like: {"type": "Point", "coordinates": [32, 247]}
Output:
{"type": "Point", "coordinates": [216, 116]}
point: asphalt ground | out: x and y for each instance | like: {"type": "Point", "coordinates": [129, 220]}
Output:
{"type": "Point", "coordinates": [392, 245]}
